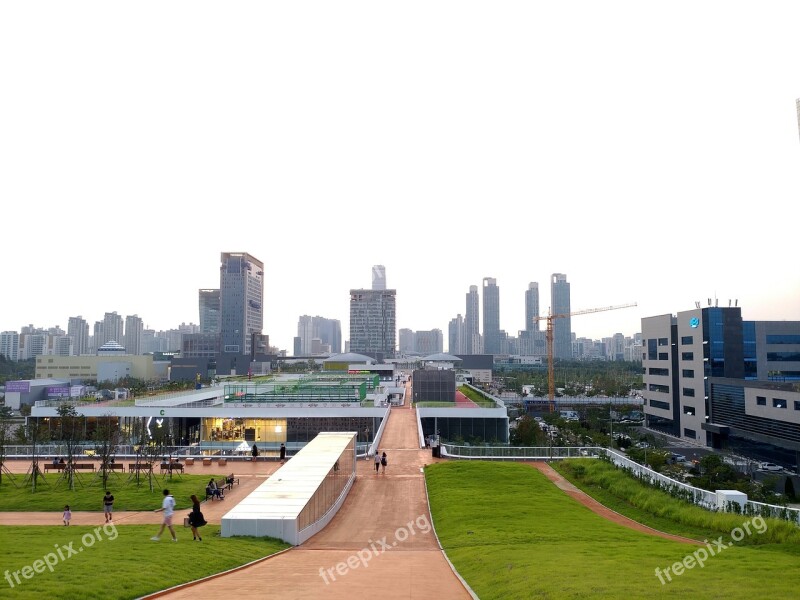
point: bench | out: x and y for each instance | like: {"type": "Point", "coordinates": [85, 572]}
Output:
{"type": "Point", "coordinates": [230, 480]}
{"type": "Point", "coordinates": [83, 466]}
{"type": "Point", "coordinates": [138, 467]}
{"type": "Point", "coordinates": [171, 467]}
{"type": "Point", "coordinates": [52, 467]}
{"type": "Point", "coordinates": [222, 485]}
{"type": "Point", "coordinates": [115, 467]}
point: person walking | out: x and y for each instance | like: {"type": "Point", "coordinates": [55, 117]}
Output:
{"type": "Point", "coordinates": [168, 506]}
{"type": "Point", "coordinates": [108, 506]}
{"type": "Point", "coordinates": [283, 453]}
{"type": "Point", "coordinates": [383, 463]}
{"type": "Point", "coordinates": [377, 462]}
{"type": "Point", "coordinates": [67, 515]}
{"type": "Point", "coordinates": [255, 453]}
{"type": "Point", "coordinates": [196, 519]}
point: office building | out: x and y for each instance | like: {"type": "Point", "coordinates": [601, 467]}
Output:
{"type": "Point", "coordinates": [532, 307]}
{"type": "Point", "coordinates": [241, 301]}
{"type": "Point", "coordinates": [472, 336]}
{"type": "Point", "coordinates": [209, 311]}
{"type": "Point", "coordinates": [562, 327]}
{"type": "Point", "coordinates": [428, 342]}
{"type": "Point", "coordinates": [378, 277]}
{"type": "Point", "coordinates": [715, 379]}
{"type": "Point", "coordinates": [373, 322]}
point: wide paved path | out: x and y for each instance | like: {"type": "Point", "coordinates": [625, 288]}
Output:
{"type": "Point", "coordinates": [379, 545]}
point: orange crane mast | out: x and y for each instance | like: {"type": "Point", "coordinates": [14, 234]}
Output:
{"type": "Point", "coordinates": [551, 382]}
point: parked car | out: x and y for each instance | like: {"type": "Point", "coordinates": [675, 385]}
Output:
{"type": "Point", "coordinates": [768, 466]}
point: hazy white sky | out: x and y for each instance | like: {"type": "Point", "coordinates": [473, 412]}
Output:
{"type": "Point", "coordinates": [648, 150]}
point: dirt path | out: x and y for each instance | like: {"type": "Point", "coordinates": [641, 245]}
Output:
{"type": "Point", "coordinates": [601, 510]}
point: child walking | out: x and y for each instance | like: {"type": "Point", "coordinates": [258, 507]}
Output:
{"type": "Point", "coordinates": [67, 514]}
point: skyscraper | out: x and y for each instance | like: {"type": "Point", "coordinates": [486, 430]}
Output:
{"type": "Point", "coordinates": [373, 329]}
{"type": "Point", "coordinates": [209, 311]}
{"type": "Point", "coordinates": [532, 307]}
{"type": "Point", "coordinates": [491, 317]}
{"type": "Point", "coordinates": [378, 277]}
{"type": "Point", "coordinates": [305, 331]}
{"type": "Point", "coordinates": [241, 288]}
{"type": "Point", "coordinates": [472, 336]}
{"type": "Point", "coordinates": [562, 327]}
{"type": "Point", "coordinates": [133, 334]}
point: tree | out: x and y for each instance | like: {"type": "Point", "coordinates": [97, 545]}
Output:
{"type": "Point", "coordinates": [6, 435]}
{"type": "Point", "coordinates": [528, 433]}
{"type": "Point", "coordinates": [32, 433]}
{"type": "Point", "coordinates": [106, 439]}
{"type": "Point", "coordinates": [71, 433]}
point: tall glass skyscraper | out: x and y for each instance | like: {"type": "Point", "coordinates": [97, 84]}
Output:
{"type": "Point", "coordinates": [491, 316]}
{"type": "Point", "coordinates": [472, 332]}
{"type": "Point", "coordinates": [241, 287]}
{"type": "Point", "coordinates": [562, 327]}
{"type": "Point", "coordinates": [209, 311]}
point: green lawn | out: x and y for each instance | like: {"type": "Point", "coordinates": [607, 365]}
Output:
{"type": "Point", "coordinates": [512, 534]}
{"type": "Point", "coordinates": [119, 562]}
{"type": "Point", "coordinates": [88, 495]}
{"type": "Point", "coordinates": [655, 508]}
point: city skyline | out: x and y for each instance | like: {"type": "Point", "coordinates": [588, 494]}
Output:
{"type": "Point", "coordinates": [647, 154]}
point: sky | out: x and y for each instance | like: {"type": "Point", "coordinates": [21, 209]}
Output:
{"type": "Point", "coordinates": [647, 150]}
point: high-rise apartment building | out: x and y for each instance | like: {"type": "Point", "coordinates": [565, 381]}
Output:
{"type": "Point", "coordinates": [491, 317]}
{"type": "Point", "coordinates": [241, 286]}
{"type": "Point", "coordinates": [373, 329]}
{"type": "Point", "coordinates": [327, 332]}
{"type": "Point", "coordinates": [562, 327]}
{"type": "Point", "coordinates": [133, 334]}
{"type": "Point", "coordinates": [9, 345]}
{"type": "Point", "coordinates": [472, 335]}
{"type": "Point", "coordinates": [406, 341]}
{"type": "Point", "coordinates": [78, 330]}
{"type": "Point", "coordinates": [209, 311]}
{"type": "Point", "coordinates": [378, 277]}
{"type": "Point", "coordinates": [428, 342]}
{"type": "Point", "coordinates": [113, 328]}
{"type": "Point", "coordinates": [455, 336]}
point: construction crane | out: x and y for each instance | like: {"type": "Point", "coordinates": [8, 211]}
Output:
{"type": "Point", "coordinates": [551, 382]}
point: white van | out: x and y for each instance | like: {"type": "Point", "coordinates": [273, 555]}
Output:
{"type": "Point", "coordinates": [569, 415]}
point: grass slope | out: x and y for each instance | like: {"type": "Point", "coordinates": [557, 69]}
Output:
{"type": "Point", "coordinates": [125, 564]}
{"type": "Point", "coordinates": [512, 534]}
{"type": "Point", "coordinates": [88, 495]}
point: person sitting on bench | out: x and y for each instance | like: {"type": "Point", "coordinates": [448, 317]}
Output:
{"type": "Point", "coordinates": [213, 490]}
